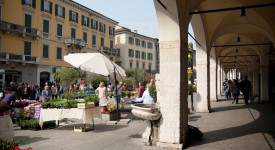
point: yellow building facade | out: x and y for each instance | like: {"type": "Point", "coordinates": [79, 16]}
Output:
{"type": "Point", "coordinates": [36, 34]}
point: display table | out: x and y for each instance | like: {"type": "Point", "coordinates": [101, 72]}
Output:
{"type": "Point", "coordinates": [58, 114]}
{"type": "Point", "coordinates": [6, 128]}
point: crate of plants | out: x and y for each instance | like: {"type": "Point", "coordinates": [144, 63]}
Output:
{"type": "Point", "coordinates": [60, 103]}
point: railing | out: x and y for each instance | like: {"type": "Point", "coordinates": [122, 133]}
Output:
{"type": "Point", "coordinates": [108, 50]}
{"type": "Point", "coordinates": [75, 42]}
{"type": "Point", "coordinates": [23, 30]}
{"type": "Point", "coordinates": [18, 58]}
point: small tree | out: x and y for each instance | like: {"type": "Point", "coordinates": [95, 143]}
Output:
{"type": "Point", "coordinates": [66, 76]}
{"type": "Point", "coordinates": [96, 79]}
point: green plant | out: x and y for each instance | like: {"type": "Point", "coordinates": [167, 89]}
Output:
{"type": "Point", "coordinates": [91, 98]}
{"type": "Point", "coordinates": [66, 76]}
{"type": "Point", "coordinates": [153, 91]}
{"type": "Point", "coordinates": [96, 79]}
{"type": "Point", "coordinates": [7, 145]}
{"type": "Point", "coordinates": [69, 95]}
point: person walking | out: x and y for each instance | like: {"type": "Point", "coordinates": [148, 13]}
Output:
{"type": "Point", "coordinates": [235, 91]}
{"type": "Point", "coordinates": [246, 87]}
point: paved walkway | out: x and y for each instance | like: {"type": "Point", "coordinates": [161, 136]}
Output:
{"type": "Point", "coordinates": [229, 126]}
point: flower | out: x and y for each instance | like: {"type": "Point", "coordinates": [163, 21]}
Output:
{"type": "Point", "coordinates": [111, 107]}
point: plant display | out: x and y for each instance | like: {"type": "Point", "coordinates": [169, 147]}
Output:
{"type": "Point", "coordinates": [68, 95]}
{"type": "Point", "coordinates": [153, 91]}
{"type": "Point", "coordinates": [111, 107]}
{"type": "Point", "coordinates": [60, 103]}
{"type": "Point", "coordinates": [91, 98]}
{"type": "Point", "coordinates": [9, 145]}
{"type": "Point", "coordinates": [29, 124]}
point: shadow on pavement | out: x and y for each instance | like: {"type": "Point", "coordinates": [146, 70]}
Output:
{"type": "Point", "coordinates": [25, 140]}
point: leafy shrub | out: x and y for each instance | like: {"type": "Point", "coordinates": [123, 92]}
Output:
{"type": "Point", "coordinates": [91, 98]}
{"type": "Point", "coordinates": [7, 145]}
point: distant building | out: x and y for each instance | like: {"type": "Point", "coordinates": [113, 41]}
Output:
{"type": "Point", "coordinates": [136, 50]}
{"type": "Point", "coordinates": [36, 34]}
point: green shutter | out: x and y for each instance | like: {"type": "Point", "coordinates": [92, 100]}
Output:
{"type": "Point", "coordinates": [51, 7]}
{"type": "Point", "coordinates": [70, 15]}
{"type": "Point", "coordinates": [56, 9]}
{"type": "Point", "coordinates": [42, 5]}
{"type": "Point", "coordinates": [64, 12]}
{"type": "Point", "coordinates": [76, 17]}
{"type": "Point", "coordinates": [33, 4]}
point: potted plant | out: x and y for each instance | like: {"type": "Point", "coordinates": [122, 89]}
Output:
{"type": "Point", "coordinates": [92, 98]}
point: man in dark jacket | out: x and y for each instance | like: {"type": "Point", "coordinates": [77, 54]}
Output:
{"type": "Point", "coordinates": [246, 87]}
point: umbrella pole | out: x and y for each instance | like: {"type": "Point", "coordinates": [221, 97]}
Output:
{"type": "Point", "coordinates": [116, 91]}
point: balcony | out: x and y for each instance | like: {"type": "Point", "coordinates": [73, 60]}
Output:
{"type": "Point", "coordinates": [7, 27]}
{"type": "Point", "coordinates": [8, 57]}
{"type": "Point", "coordinates": [74, 44]}
{"type": "Point", "coordinates": [108, 50]}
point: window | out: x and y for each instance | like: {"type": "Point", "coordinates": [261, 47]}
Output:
{"type": "Point", "coordinates": [30, 3]}
{"type": "Point", "coordinates": [73, 16]}
{"type": "Point", "coordinates": [143, 44]}
{"type": "Point", "coordinates": [45, 51]}
{"type": "Point", "coordinates": [150, 67]}
{"type": "Point", "coordinates": [28, 23]}
{"type": "Point", "coordinates": [137, 54]}
{"type": "Point", "coordinates": [85, 21]}
{"type": "Point", "coordinates": [143, 55]}
{"type": "Point", "coordinates": [46, 24]}
{"type": "Point", "coordinates": [118, 52]}
{"type": "Point", "coordinates": [46, 6]}
{"type": "Point", "coordinates": [102, 27]}
{"type": "Point", "coordinates": [131, 64]}
{"type": "Point", "coordinates": [150, 56]}
{"type": "Point", "coordinates": [59, 30]}
{"type": "Point", "coordinates": [111, 44]}
{"type": "Point", "coordinates": [137, 42]}
{"type": "Point", "coordinates": [94, 24]}
{"type": "Point", "coordinates": [137, 64]}
{"type": "Point", "coordinates": [131, 53]}
{"type": "Point", "coordinates": [143, 65]}
{"type": "Point", "coordinates": [150, 45]}
{"type": "Point", "coordinates": [131, 40]}
{"type": "Point", "coordinates": [85, 36]}
{"type": "Point", "coordinates": [102, 42]}
{"type": "Point", "coordinates": [59, 53]}
{"type": "Point", "coordinates": [72, 33]}
{"type": "Point", "coordinates": [27, 48]}
{"type": "Point", "coordinates": [94, 39]}
{"type": "Point", "coordinates": [111, 31]}
{"type": "Point", "coordinates": [118, 39]}
{"type": "Point", "coordinates": [59, 11]}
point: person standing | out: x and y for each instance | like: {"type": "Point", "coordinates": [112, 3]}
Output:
{"type": "Point", "coordinates": [101, 91]}
{"type": "Point", "coordinates": [246, 87]}
{"type": "Point", "coordinates": [235, 91]}
{"type": "Point", "coordinates": [46, 94]}
{"type": "Point", "coordinates": [140, 89]}
{"type": "Point", "coordinates": [9, 98]}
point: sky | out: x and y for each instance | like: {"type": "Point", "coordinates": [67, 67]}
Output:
{"type": "Point", "coordinates": [137, 15]}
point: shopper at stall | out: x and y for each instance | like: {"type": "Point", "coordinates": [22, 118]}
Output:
{"type": "Point", "coordinates": [9, 98]}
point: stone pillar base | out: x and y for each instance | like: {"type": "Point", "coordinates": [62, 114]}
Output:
{"type": "Point", "coordinates": [169, 145]}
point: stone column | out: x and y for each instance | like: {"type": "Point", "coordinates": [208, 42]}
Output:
{"type": "Point", "coordinates": [255, 83]}
{"type": "Point", "coordinates": [219, 78]}
{"type": "Point", "coordinates": [213, 80]}
{"type": "Point", "coordinates": [173, 91]}
{"type": "Point", "coordinates": [264, 83]}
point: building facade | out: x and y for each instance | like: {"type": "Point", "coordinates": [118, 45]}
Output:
{"type": "Point", "coordinates": [136, 50]}
{"type": "Point", "coordinates": [36, 34]}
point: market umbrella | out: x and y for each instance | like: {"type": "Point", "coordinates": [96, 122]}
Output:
{"type": "Point", "coordinates": [95, 63]}
{"type": "Point", "coordinates": [99, 64]}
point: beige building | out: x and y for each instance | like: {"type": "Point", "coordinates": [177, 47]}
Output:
{"type": "Point", "coordinates": [36, 34]}
{"type": "Point", "coordinates": [136, 50]}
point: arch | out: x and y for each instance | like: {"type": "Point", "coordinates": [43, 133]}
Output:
{"type": "Point", "coordinates": [44, 77]}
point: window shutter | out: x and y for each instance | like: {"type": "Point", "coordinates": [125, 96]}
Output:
{"type": "Point", "coordinates": [64, 12]}
{"type": "Point", "coordinates": [70, 15]}
{"type": "Point", "coordinates": [33, 4]}
{"type": "Point", "coordinates": [76, 17]}
{"type": "Point", "coordinates": [23, 2]}
{"type": "Point", "coordinates": [88, 22]}
{"type": "Point", "coordinates": [82, 18]}
{"type": "Point", "coordinates": [42, 5]}
{"type": "Point", "coordinates": [51, 7]}
{"type": "Point", "coordinates": [56, 9]}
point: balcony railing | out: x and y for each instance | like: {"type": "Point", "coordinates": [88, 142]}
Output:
{"type": "Point", "coordinates": [18, 58]}
{"type": "Point", "coordinates": [75, 42]}
{"type": "Point", "coordinates": [108, 50]}
{"type": "Point", "coordinates": [23, 30]}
